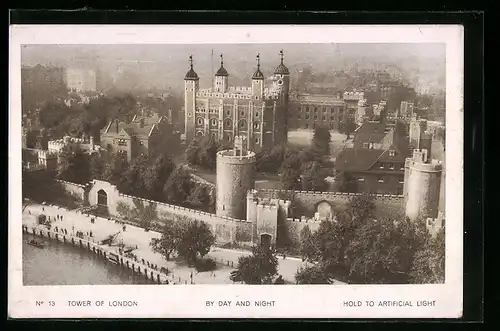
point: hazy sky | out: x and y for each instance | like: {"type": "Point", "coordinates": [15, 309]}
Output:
{"type": "Point", "coordinates": [164, 65]}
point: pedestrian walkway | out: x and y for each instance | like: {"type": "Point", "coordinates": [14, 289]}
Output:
{"type": "Point", "coordinates": [134, 236]}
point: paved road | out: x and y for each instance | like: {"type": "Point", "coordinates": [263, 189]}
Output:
{"type": "Point", "coordinates": [133, 236]}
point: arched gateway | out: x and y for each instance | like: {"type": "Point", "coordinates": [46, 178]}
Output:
{"type": "Point", "coordinates": [265, 240]}
{"type": "Point", "coordinates": [102, 198]}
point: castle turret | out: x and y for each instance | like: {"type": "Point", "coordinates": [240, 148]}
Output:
{"type": "Point", "coordinates": [417, 129]}
{"type": "Point", "coordinates": [235, 176]}
{"type": "Point", "coordinates": [221, 83]}
{"type": "Point", "coordinates": [422, 186]}
{"type": "Point", "coordinates": [258, 82]}
{"type": "Point", "coordinates": [281, 82]}
{"type": "Point", "coordinates": [191, 86]}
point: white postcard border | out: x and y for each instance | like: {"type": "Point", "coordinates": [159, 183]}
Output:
{"type": "Point", "coordinates": [291, 301]}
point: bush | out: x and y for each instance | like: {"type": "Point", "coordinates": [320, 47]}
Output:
{"type": "Point", "coordinates": [207, 264]}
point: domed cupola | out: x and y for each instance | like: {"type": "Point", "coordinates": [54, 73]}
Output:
{"type": "Point", "coordinates": [258, 74]}
{"type": "Point", "coordinates": [222, 71]}
{"type": "Point", "coordinates": [191, 74]}
{"type": "Point", "coordinates": [281, 69]}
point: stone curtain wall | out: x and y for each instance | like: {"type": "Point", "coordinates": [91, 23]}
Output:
{"type": "Point", "coordinates": [76, 190]}
{"type": "Point", "coordinates": [386, 205]}
{"type": "Point", "coordinates": [225, 228]}
{"type": "Point", "coordinates": [293, 227]}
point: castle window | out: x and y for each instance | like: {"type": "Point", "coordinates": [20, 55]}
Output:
{"type": "Point", "coordinates": [256, 125]}
{"type": "Point", "coordinates": [307, 116]}
{"type": "Point", "coordinates": [257, 140]}
{"type": "Point", "coordinates": [392, 152]}
{"type": "Point", "coordinates": [324, 110]}
{"type": "Point", "coordinates": [381, 165]}
{"type": "Point", "coordinates": [141, 143]}
{"type": "Point", "coordinates": [401, 179]}
{"type": "Point", "coordinates": [242, 113]}
{"type": "Point", "coordinates": [299, 117]}
{"type": "Point", "coordinates": [361, 179]}
{"type": "Point", "coordinates": [365, 145]}
{"type": "Point", "coordinates": [242, 124]}
{"type": "Point", "coordinates": [307, 126]}
{"type": "Point", "coordinates": [324, 118]}
{"type": "Point", "coordinates": [214, 135]}
{"type": "Point", "coordinates": [199, 121]}
{"type": "Point", "coordinates": [380, 179]}
{"type": "Point", "coordinates": [402, 167]}
{"type": "Point", "coordinates": [391, 166]}
{"type": "Point", "coordinates": [214, 122]}
{"type": "Point", "coordinates": [228, 112]}
{"type": "Point", "coordinates": [189, 114]}
{"type": "Point", "coordinates": [256, 97]}
{"type": "Point", "coordinates": [256, 114]}
{"type": "Point", "coordinates": [315, 117]}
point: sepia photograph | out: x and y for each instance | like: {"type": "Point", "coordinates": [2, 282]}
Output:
{"type": "Point", "coordinates": [226, 163]}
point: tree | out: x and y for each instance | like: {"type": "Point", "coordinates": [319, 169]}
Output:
{"type": "Point", "coordinates": [346, 182]}
{"type": "Point", "coordinates": [115, 169]}
{"type": "Point", "coordinates": [307, 247]}
{"type": "Point", "coordinates": [208, 154]}
{"type": "Point", "coordinates": [170, 236]}
{"type": "Point", "coordinates": [349, 127]}
{"type": "Point", "coordinates": [316, 274]}
{"type": "Point", "coordinates": [156, 177]}
{"type": "Point", "coordinates": [320, 145]}
{"type": "Point", "coordinates": [145, 213]}
{"type": "Point", "coordinates": [383, 251]}
{"type": "Point", "coordinates": [132, 181]}
{"type": "Point", "coordinates": [290, 172]}
{"type": "Point", "coordinates": [192, 152]}
{"type": "Point", "coordinates": [199, 197]}
{"type": "Point", "coordinates": [259, 268]}
{"type": "Point", "coordinates": [314, 178]}
{"type": "Point", "coordinates": [178, 186]}
{"type": "Point", "coordinates": [270, 160]}
{"type": "Point", "coordinates": [361, 207]}
{"type": "Point", "coordinates": [74, 166]}
{"type": "Point", "coordinates": [429, 262]}
{"type": "Point", "coordinates": [195, 238]}
{"type": "Point", "coordinates": [97, 166]}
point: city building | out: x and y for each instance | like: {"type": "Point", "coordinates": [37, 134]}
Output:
{"type": "Point", "coordinates": [257, 112]}
{"type": "Point", "coordinates": [85, 144]}
{"type": "Point", "coordinates": [149, 135]}
{"type": "Point", "coordinates": [81, 80]}
{"type": "Point", "coordinates": [308, 111]}
{"type": "Point", "coordinates": [406, 110]}
{"type": "Point", "coordinates": [376, 159]}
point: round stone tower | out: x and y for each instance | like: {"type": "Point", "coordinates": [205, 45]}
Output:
{"type": "Point", "coordinates": [422, 186]}
{"type": "Point", "coordinates": [235, 176]}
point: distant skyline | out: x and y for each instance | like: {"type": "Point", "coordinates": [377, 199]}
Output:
{"type": "Point", "coordinates": [163, 66]}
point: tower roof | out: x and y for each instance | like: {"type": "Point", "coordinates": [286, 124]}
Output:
{"type": "Point", "coordinates": [191, 74]}
{"type": "Point", "coordinates": [258, 74]}
{"type": "Point", "coordinates": [281, 69]}
{"type": "Point", "coordinates": [222, 71]}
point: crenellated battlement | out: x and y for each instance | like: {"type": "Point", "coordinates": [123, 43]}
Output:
{"type": "Point", "coordinates": [304, 219]}
{"type": "Point", "coordinates": [228, 156]}
{"type": "Point", "coordinates": [274, 192]}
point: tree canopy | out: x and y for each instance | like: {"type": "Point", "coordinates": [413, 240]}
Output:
{"type": "Point", "coordinates": [259, 268]}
